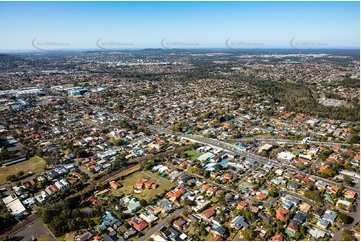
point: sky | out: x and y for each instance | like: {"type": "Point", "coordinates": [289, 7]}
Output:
{"type": "Point", "coordinates": [122, 25]}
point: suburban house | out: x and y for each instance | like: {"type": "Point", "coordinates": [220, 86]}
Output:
{"type": "Point", "coordinates": [208, 213]}
{"type": "Point", "coordinates": [148, 217]}
{"type": "Point", "coordinates": [281, 214]}
{"type": "Point", "coordinates": [131, 203]}
{"type": "Point", "coordinates": [292, 228]}
{"type": "Point", "coordinates": [239, 222]}
{"type": "Point", "coordinates": [115, 185]}
{"type": "Point", "coordinates": [175, 193]}
{"type": "Point", "coordinates": [138, 224]}
{"type": "Point", "coordinates": [180, 223]}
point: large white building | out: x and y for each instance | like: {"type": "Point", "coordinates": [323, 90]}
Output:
{"type": "Point", "coordinates": [14, 205]}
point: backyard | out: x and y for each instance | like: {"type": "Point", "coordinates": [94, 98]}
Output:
{"type": "Point", "coordinates": [192, 154]}
{"type": "Point", "coordinates": [128, 185]}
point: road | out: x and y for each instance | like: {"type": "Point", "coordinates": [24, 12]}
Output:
{"type": "Point", "coordinates": [235, 151]}
{"type": "Point", "coordinates": [34, 228]}
{"type": "Point", "coordinates": [338, 236]}
{"type": "Point", "coordinates": [156, 228]}
{"type": "Point", "coordinates": [20, 225]}
{"type": "Point", "coordinates": [287, 141]}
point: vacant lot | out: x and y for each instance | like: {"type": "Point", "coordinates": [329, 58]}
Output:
{"type": "Point", "coordinates": [192, 154]}
{"type": "Point", "coordinates": [34, 165]}
{"type": "Point", "coordinates": [249, 185]}
{"type": "Point", "coordinates": [129, 182]}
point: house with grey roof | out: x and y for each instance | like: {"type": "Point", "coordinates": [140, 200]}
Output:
{"type": "Point", "coordinates": [239, 222]}
{"type": "Point", "coordinates": [323, 223]}
{"type": "Point", "coordinates": [317, 233]}
{"type": "Point", "coordinates": [131, 203]}
{"type": "Point", "coordinates": [329, 216]}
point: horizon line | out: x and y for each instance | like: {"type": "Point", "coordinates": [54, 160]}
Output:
{"type": "Point", "coordinates": [172, 49]}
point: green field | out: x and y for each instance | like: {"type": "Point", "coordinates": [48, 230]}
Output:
{"type": "Point", "coordinates": [192, 154]}
{"type": "Point", "coordinates": [34, 165]}
{"type": "Point", "coordinates": [129, 182]}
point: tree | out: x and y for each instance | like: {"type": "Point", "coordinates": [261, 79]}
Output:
{"type": "Point", "coordinates": [303, 231]}
{"type": "Point", "coordinates": [148, 165]}
{"type": "Point", "coordinates": [222, 200]}
{"type": "Point", "coordinates": [327, 172]}
{"type": "Point", "coordinates": [11, 178]}
{"type": "Point", "coordinates": [347, 235]}
{"type": "Point", "coordinates": [355, 139]}
{"type": "Point", "coordinates": [118, 142]}
{"type": "Point", "coordinates": [143, 202]}
{"type": "Point", "coordinates": [4, 154]}
{"type": "Point", "coordinates": [206, 174]}
{"type": "Point", "coordinates": [348, 180]}
{"type": "Point", "coordinates": [341, 206]}
{"type": "Point", "coordinates": [81, 153]}
{"type": "Point", "coordinates": [306, 146]}
{"type": "Point", "coordinates": [187, 202]}
{"type": "Point", "coordinates": [247, 234]}
{"type": "Point", "coordinates": [178, 127]}
{"type": "Point", "coordinates": [20, 173]}
{"type": "Point", "coordinates": [313, 195]}
{"type": "Point", "coordinates": [343, 218]}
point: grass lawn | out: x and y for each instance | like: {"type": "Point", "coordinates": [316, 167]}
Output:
{"type": "Point", "coordinates": [265, 136]}
{"type": "Point", "coordinates": [129, 182]}
{"type": "Point", "coordinates": [61, 238]}
{"type": "Point", "coordinates": [248, 185]}
{"type": "Point", "coordinates": [43, 237]}
{"type": "Point", "coordinates": [34, 165]}
{"type": "Point", "coordinates": [214, 199]}
{"type": "Point", "coordinates": [209, 237]}
{"type": "Point", "coordinates": [192, 154]}
{"type": "Point", "coordinates": [70, 236]}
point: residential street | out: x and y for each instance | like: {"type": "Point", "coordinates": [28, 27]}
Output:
{"type": "Point", "coordinates": [157, 227]}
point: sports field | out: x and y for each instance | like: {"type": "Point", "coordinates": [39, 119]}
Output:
{"type": "Point", "coordinates": [34, 165]}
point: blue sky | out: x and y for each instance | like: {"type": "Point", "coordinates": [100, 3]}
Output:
{"type": "Point", "coordinates": [80, 25]}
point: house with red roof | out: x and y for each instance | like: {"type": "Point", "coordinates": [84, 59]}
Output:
{"type": "Point", "coordinates": [53, 188]}
{"type": "Point", "coordinates": [205, 187]}
{"type": "Point", "coordinates": [349, 194]}
{"type": "Point", "coordinates": [305, 180]}
{"type": "Point", "coordinates": [277, 237]}
{"type": "Point", "coordinates": [73, 180]}
{"type": "Point", "coordinates": [281, 214]}
{"type": "Point", "coordinates": [261, 196]}
{"type": "Point", "coordinates": [208, 213]}
{"type": "Point", "coordinates": [218, 238]}
{"type": "Point", "coordinates": [175, 193]}
{"type": "Point", "coordinates": [211, 191]}
{"type": "Point", "coordinates": [147, 184]}
{"type": "Point", "coordinates": [242, 205]}
{"type": "Point", "coordinates": [138, 223]}
{"type": "Point", "coordinates": [76, 174]}
{"type": "Point", "coordinates": [140, 184]}
{"type": "Point", "coordinates": [115, 185]}
{"type": "Point", "coordinates": [228, 176]}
